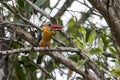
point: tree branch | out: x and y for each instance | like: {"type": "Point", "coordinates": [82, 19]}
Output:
{"type": "Point", "coordinates": [64, 60]}
{"type": "Point", "coordinates": [68, 49]}
{"type": "Point", "coordinates": [64, 7]}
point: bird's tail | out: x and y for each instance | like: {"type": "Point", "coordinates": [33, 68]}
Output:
{"type": "Point", "coordinates": [40, 57]}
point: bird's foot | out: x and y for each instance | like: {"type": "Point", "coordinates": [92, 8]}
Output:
{"type": "Point", "coordinates": [45, 47]}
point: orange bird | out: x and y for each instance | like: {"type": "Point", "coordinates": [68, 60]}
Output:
{"type": "Point", "coordinates": [45, 37]}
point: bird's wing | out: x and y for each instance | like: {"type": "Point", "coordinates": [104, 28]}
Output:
{"type": "Point", "coordinates": [39, 37]}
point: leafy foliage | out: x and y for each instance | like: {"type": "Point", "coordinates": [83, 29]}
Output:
{"type": "Point", "coordinates": [96, 42]}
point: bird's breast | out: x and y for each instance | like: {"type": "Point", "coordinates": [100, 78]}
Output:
{"type": "Point", "coordinates": [47, 35]}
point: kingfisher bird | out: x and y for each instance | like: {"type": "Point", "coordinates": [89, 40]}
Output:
{"type": "Point", "coordinates": [45, 37]}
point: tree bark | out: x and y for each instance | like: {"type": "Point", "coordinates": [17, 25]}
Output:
{"type": "Point", "coordinates": [63, 8]}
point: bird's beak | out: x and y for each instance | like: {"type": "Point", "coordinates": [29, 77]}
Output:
{"type": "Point", "coordinates": [55, 26]}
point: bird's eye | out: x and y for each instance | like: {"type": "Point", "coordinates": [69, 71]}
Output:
{"type": "Point", "coordinates": [49, 24]}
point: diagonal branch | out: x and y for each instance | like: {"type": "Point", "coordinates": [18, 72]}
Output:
{"type": "Point", "coordinates": [37, 9]}
{"type": "Point", "coordinates": [24, 34]}
{"type": "Point", "coordinates": [72, 65]}
{"type": "Point", "coordinates": [64, 7]}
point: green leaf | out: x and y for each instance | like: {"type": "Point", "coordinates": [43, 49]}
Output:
{"type": "Point", "coordinates": [103, 36]}
{"type": "Point", "coordinates": [21, 3]}
{"type": "Point", "coordinates": [60, 21]}
{"type": "Point", "coordinates": [40, 2]}
{"type": "Point", "coordinates": [118, 48]}
{"type": "Point", "coordinates": [91, 37]}
{"type": "Point", "coordinates": [71, 23]}
{"type": "Point", "coordinates": [115, 72]}
{"type": "Point", "coordinates": [106, 43]}
{"type": "Point", "coordinates": [100, 43]}
{"type": "Point", "coordinates": [112, 50]}
{"type": "Point", "coordinates": [74, 57]}
{"type": "Point", "coordinates": [19, 71]}
{"type": "Point", "coordinates": [79, 43]}
{"type": "Point", "coordinates": [88, 31]}
{"type": "Point", "coordinates": [96, 51]}
{"type": "Point", "coordinates": [117, 65]}
{"type": "Point", "coordinates": [83, 31]}
{"type": "Point", "coordinates": [80, 63]}
{"type": "Point", "coordinates": [16, 45]}
{"type": "Point", "coordinates": [32, 55]}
